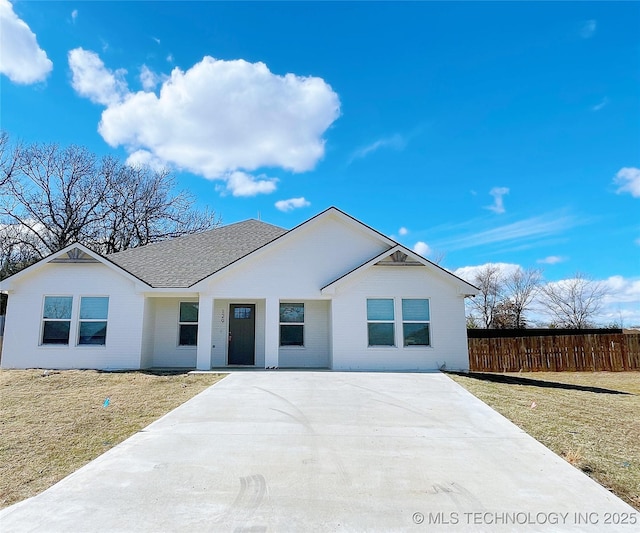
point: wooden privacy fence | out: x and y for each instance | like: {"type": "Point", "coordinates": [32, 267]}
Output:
{"type": "Point", "coordinates": [555, 353]}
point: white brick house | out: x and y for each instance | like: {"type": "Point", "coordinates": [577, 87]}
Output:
{"type": "Point", "coordinates": [330, 293]}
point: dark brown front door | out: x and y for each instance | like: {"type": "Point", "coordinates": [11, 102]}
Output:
{"type": "Point", "coordinates": [242, 334]}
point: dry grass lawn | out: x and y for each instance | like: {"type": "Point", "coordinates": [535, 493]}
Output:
{"type": "Point", "coordinates": [591, 419]}
{"type": "Point", "coordinates": [51, 425]}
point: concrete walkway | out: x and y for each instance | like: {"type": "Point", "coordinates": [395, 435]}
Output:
{"type": "Point", "coordinates": [326, 451]}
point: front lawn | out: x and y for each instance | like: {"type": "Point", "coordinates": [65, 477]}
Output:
{"type": "Point", "coordinates": [52, 423]}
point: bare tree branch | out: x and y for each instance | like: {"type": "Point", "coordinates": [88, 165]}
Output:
{"type": "Point", "coordinates": [521, 286]}
{"type": "Point", "coordinates": [488, 280]}
{"type": "Point", "coordinates": [574, 302]}
{"type": "Point", "coordinates": [51, 197]}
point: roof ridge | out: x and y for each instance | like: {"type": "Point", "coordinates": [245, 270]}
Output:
{"type": "Point", "coordinates": [182, 261]}
{"type": "Point", "coordinates": [191, 235]}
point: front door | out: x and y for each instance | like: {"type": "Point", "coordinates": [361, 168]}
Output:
{"type": "Point", "coordinates": [242, 334]}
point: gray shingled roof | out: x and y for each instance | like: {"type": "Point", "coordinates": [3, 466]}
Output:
{"type": "Point", "coordinates": [186, 260]}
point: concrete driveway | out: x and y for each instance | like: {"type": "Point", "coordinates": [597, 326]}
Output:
{"type": "Point", "coordinates": [327, 451]}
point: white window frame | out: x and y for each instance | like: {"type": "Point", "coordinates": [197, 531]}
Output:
{"type": "Point", "coordinates": [81, 320]}
{"type": "Point", "coordinates": [188, 323]}
{"type": "Point", "coordinates": [285, 324]}
{"type": "Point", "coordinates": [427, 322]}
{"type": "Point", "coordinates": [391, 321]}
{"type": "Point", "coordinates": [43, 320]}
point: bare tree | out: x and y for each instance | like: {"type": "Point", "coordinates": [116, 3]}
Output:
{"type": "Point", "coordinates": [573, 303]}
{"type": "Point", "coordinates": [142, 209]}
{"type": "Point", "coordinates": [7, 160]}
{"type": "Point", "coordinates": [504, 315]}
{"type": "Point", "coordinates": [489, 280]}
{"type": "Point", "coordinates": [51, 197]}
{"type": "Point", "coordinates": [15, 252]}
{"type": "Point", "coordinates": [521, 287]}
{"type": "Point", "coordinates": [55, 195]}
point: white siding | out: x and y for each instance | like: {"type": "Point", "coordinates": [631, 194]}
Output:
{"type": "Point", "coordinates": [315, 352]}
{"type": "Point", "coordinates": [293, 269]}
{"type": "Point", "coordinates": [148, 332]}
{"type": "Point", "coordinates": [299, 265]}
{"type": "Point", "coordinates": [349, 322]}
{"type": "Point", "coordinates": [166, 352]}
{"type": "Point", "coordinates": [22, 342]}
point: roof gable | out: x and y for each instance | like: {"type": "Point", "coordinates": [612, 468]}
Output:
{"type": "Point", "coordinates": [399, 256]}
{"type": "Point", "coordinates": [182, 262]}
{"type": "Point", "coordinates": [330, 213]}
{"type": "Point", "coordinates": [72, 254]}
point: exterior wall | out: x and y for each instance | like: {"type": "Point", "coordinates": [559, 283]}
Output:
{"type": "Point", "coordinates": [143, 328]}
{"type": "Point", "coordinates": [293, 269]}
{"type": "Point", "coordinates": [349, 322]}
{"type": "Point", "coordinates": [148, 333]}
{"type": "Point", "coordinates": [166, 352]}
{"type": "Point", "coordinates": [22, 341]}
{"type": "Point", "coordinates": [299, 265]}
{"type": "Point", "coordinates": [315, 352]}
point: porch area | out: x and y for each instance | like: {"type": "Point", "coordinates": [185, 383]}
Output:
{"type": "Point", "coordinates": [204, 333]}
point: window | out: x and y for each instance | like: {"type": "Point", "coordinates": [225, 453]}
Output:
{"type": "Point", "coordinates": [92, 328]}
{"type": "Point", "coordinates": [242, 312]}
{"type": "Point", "coordinates": [188, 324]}
{"type": "Point", "coordinates": [380, 322]}
{"type": "Point", "coordinates": [56, 319]}
{"type": "Point", "coordinates": [415, 322]}
{"type": "Point", "coordinates": [291, 324]}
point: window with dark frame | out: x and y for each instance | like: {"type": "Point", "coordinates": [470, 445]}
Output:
{"type": "Point", "coordinates": [188, 324]}
{"type": "Point", "coordinates": [291, 324]}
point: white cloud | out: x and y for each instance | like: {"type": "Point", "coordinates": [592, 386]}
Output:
{"type": "Point", "coordinates": [216, 118]}
{"type": "Point", "coordinates": [403, 231]}
{"type": "Point", "coordinates": [623, 289]}
{"type": "Point", "coordinates": [498, 203]}
{"type": "Point", "coordinates": [622, 303]}
{"type": "Point", "coordinates": [599, 106]}
{"type": "Point", "coordinates": [469, 273]}
{"type": "Point", "coordinates": [91, 79]}
{"type": "Point", "coordinates": [141, 158]}
{"type": "Point", "coordinates": [552, 260]}
{"type": "Point", "coordinates": [422, 248]}
{"type": "Point", "coordinates": [243, 184]}
{"type": "Point", "coordinates": [21, 60]}
{"type": "Point", "coordinates": [74, 15]}
{"type": "Point", "coordinates": [170, 58]}
{"type": "Point", "coordinates": [397, 142]}
{"type": "Point", "coordinates": [588, 29]}
{"type": "Point", "coordinates": [628, 179]}
{"type": "Point", "coordinates": [291, 204]}
{"type": "Point", "coordinates": [148, 78]}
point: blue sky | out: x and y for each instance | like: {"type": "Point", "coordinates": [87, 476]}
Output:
{"type": "Point", "coordinates": [473, 133]}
